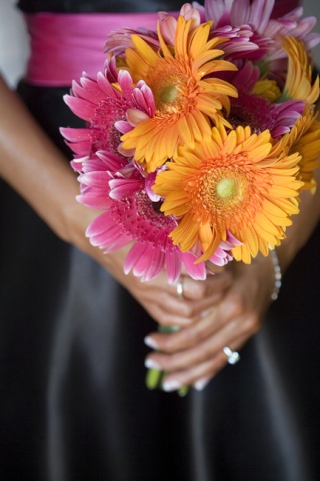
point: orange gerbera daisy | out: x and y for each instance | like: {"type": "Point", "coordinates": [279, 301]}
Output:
{"type": "Point", "coordinates": [237, 182]}
{"type": "Point", "coordinates": [299, 76]}
{"type": "Point", "coordinates": [185, 97]}
{"type": "Point", "coordinates": [305, 139]}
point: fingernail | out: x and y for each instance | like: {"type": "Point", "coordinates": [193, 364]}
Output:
{"type": "Point", "coordinates": [171, 386]}
{"type": "Point", "coordinates": [150, 342]}
{"type": "Point", "coordinates": [201, 383]}
{"type": "Point", "coordinates": [151, 364]}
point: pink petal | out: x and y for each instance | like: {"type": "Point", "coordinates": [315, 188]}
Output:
{"type": "Point", "coordinates": [168, 26]}
{"type": "Point", "coordinates": [106, 87]}
{"type": "Point", "coordinates": [108, 237]}
{"type": "Point", "coordinates": [133, 256]}
{"type": "Point", "coordinates": [99, 224]}
{"type": "Point", "coordinates": [77, 166]}
{"type": "Point", "coordinates": [75, 135]}
{"type": "Point", "coordinates": [123, 126]}
{"type": "Point", "coordinates": [125, 81]}
{"type": "Point", "coordinates": [95, 201]}
{"type": "Point", "coordinates": [122, 188]}
{"type": "Point", "coordinates": [154, 260]}
{"type": "Point", "coordinates": [121, 242]}
{"type": "Point", "coordinates": [88, 90]}
{"type": "Point", "coordinates": [98, 179]}
{"type": "Point", "coordinates": [196, 271]}
{"type": "Point", "coordinates": [126, 152]}
{"type": "Point", "coordinates": [135, 117]}
{"type": "Point", "coordinates": [111, 161]}
{"type": "Point", "coordinates": [80, 148]}
{"type": "Point", "coordinates": [83, 109]}
{"type": "Point", "coordinates": [173, 266]}
{"type": "Point", "coordinates": [149, 183]}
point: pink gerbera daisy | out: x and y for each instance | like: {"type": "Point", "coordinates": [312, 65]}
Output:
{"type": "Point", "coordinates": [104, 104]}
{"type": "Point", "coordinates": [258, 112]}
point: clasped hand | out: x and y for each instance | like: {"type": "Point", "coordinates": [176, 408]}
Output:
{"type": "Point", "coordinates": [224, 310]}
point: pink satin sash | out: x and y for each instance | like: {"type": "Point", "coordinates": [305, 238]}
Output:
{"type": "Point", "coordinates": [64, 45]}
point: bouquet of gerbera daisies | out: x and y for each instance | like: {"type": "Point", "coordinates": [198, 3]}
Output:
{"type": "Point", "coordinates": [199, 136]}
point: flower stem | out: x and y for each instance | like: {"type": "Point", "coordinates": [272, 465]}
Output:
{"type": "Point", "coordinates": [154, 377]}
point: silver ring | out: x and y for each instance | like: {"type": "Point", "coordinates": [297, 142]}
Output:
{"type": "Point", "coordinates": [233, 356]}
{"type": "Point", "coordinates": [180, 289]}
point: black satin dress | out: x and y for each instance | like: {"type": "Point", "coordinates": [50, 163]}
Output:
{"type": "Point", "coordinates": [73, 401]}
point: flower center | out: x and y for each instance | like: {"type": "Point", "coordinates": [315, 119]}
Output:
{"type": "Point", "coordinates": [150, 213]}
{"type": "Point", "coordinates": [226, 188]}
{"type": "Point", "coordinates": [173, 88]}
{"type": "Point", "coordinates": [223, 189]}
{"type": "Point", "coordinates": [221, 195]}
{"type": "Point", "coordinates": [253, 111]}
{"type": "Point", "coordinates": [157, 206]}
{"type": "Point", "coordinates": [104, 135]}
{"type": "Point", "coordinates": [168, 94]}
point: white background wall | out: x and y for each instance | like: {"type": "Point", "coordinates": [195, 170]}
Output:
{"type": "Point", "coordinates": [14, 40]}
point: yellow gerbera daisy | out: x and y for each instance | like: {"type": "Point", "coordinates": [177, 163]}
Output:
{"type": "Point", "coordinates": [305, 139]}
{"type": "Point", "coordinates": [299, 76]}
{"type": "Point", "coordinates": [185, 98]}
{"type": "Point", "coordinates": [237, 182]}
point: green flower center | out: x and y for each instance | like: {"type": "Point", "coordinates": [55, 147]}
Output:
{"type": "Point", "coordinates": [226, 188]}
{"type": "Point", "coordinates": [168, 94]}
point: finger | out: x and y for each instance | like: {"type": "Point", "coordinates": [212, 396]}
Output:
{"type": "Point", "coordinates": [171, 310]}
{"type": "Point", "coordinates": [200, 374]}
{"type": "Point", "coordinates": [182, 339]}
{"type": "Point", "coordinates": [167, 318]}
{"type": "Point", "coordinates": [202, 351]}
{"type": "Point", "coordinates": [210, 323]}
{"type": "Point", "coordinates": [206, 347]}
{"type": "Point", "coordinates": [197, 290]}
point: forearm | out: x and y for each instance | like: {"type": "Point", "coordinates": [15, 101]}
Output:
{"type": "Point", "coordinates": [39, 172]}
{"type": "Point", "coordinates": [32, 164]}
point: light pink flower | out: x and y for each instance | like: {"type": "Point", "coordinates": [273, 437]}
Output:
{"type": "Point", "coordinates": [240, 38]}
{"type": "Point", "coordinates": [267, 31]}
{"type": "Point", "coordinates": [168, 23]}
{"type": "Point", "coordinates": [119, 40]}
{"type": "Point", "coordinates": [242, 42]}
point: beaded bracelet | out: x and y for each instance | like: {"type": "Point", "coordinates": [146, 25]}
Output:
{"type": "Point", "coordinates": [277, 275]}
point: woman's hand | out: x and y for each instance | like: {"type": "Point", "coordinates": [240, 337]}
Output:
{"type": "Point", "coordinates": [165, 306]}
{"type": "Point", "coordinates": [159, 298]}
{"type": "Point", "coordinates": [195, 354]}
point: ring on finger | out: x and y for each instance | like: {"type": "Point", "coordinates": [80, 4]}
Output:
{"type": "Point", "coordinates": [180, 288]}
{"type": "Point", "coordinates": [233, 356]}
